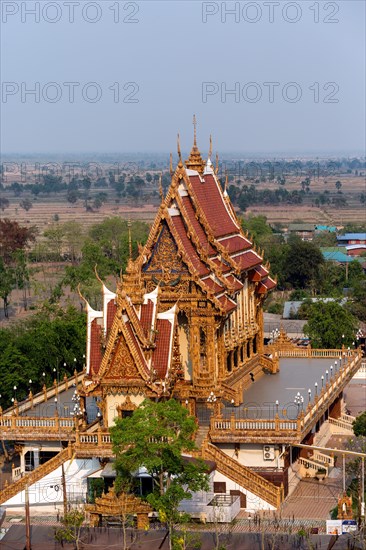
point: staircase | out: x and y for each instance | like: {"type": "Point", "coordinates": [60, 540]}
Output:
{"type": "Point", "coordinates": [309, 467]}
{"type": "Point", "coordinates": [36, 475]}
{"type": "Point", "coordinates": [342, 425]}
{"type": "Point", "coordinates": [243, 476]}
{"type": "Point", "coordinates": [201, 435]}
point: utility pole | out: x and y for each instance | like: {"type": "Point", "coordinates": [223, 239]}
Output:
{"type": "Point", "coordinates": [63, 481]}
{"type": "Point", "coordinates": [27, 521]}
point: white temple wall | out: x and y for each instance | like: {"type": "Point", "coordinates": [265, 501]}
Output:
{"type": "Point", "coordinates": [253, 455]}
{"type": "Point", "coordinates": [113, 401]}
{"type": "Point", "coordinates": [253, 502]}
{"type": "Point", "coordinates": [48, 493]}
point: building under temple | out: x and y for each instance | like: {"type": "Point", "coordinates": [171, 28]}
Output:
{"type": "Point", "coordinates": [186, 321]}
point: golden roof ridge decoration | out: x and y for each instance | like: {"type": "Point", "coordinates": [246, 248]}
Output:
{"type": "Point", "coordinates": [195, 160]}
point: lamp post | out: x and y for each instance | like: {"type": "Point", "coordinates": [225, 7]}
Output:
{"type": "Point", "coordinates": [309, 395]}
{"type": "Point", "coordinates": [326, 374]}
{"type": "Point", "coordinates": [331, 371]}
{"type": "Point", "coordinates": [15, 393]}
{"type": "Point", "coordinates": [322, 381]}
{"type": "Point", "coordinates": [277, 404]}
{"type": "Point", "coordinates": [299, 401]}
{"type": "Point", "coordinates": [211, 398]}
{"type": "Point", "coordinates": [316, 389]}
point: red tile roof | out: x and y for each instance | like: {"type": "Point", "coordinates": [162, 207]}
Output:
{"type": "Point", "coordinates": [200, 232]}
{"type": "Point", "coordinates": [95, 346]}
{"type": "Point", "coordinates": [212, 202]}
{"type": "Point", "coordinates": [225, 268]}
{"type": "Point", "coordinates": [247, 259]}
{"type": "Point", "coordinates": [111, 312]}
{"type": "Point", "coordinates": [213, 286]}
{"type": "Point", "coordinates": [265, 285]}
{"type": "Point", "coordinates": [188, 246]}
{"type": "Point", "coordinates": [234, 281]}
{"type": "Point", "coordinates": [146, 317]}
{"type": "Point", "coordinates": [160, 356]}
{"type": "Point", "coordinates": [226, 303]}
{"type": "Point", "coordinates": [235, 244]}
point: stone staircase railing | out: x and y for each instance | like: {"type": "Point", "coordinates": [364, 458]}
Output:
{"type": "Point", "coordinates": [348, 418]}
{"type": "Point", "coordinates": [342, 424]}
{"type": "Point", "coordinates": [317, 456]}
{"type": "Point", "coordinates": [46, 394]}
{"type": "Point", "coordinates": [37, 474]}
{"type": "Point", "coordinates": [243, 476]}
{"type": "Point", "coordinates": [310, 464]}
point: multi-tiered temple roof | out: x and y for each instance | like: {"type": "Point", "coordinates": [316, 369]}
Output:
{"type": "Point", "coordinates": [196, 256]}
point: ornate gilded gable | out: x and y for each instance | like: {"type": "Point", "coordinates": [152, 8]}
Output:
{"type": "Point", "coordinates": [165, 261]}
{"type": "Point", "coordinates": [123, 364]}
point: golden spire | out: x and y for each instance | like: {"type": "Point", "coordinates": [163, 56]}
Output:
{"type": "Point", "coordinates": [195, 161]}
{"type": "Point", "coordinates": [210, 149]}
{"type": "Point", "coordinates": [178, 147]}
{"type": "Point", "coordinates": [171, 164]}
{"type": "Point", "coordinates": [217, 164]}
{"type": "Point", "coordinates": [129, 239]}
{"type": "Point", "coordinates": [194, 131]}
{"type": "Point", "coordinates": [161, 192]}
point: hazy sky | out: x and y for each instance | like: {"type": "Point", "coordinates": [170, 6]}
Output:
{"type": "Point", "coordinates": [137, 71]}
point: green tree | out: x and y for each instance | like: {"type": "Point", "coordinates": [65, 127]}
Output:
{"type": "Point", "coordinates": [302, 262]}
{"type": "Point", "coordinates": [327, 323]}
{"type": "Point", "coordinates": [6, 285]}
{"type": "Point", "coordinates": [71, 530]}
{"type": "Point", "coordinates": [26, 204]}
{"type": "Point", "coordinates": [4, 203]}
{"type": "Point", "coordinates": [42, 342]}
{"type": "Point", "coordinates": [155, 437]}
{"type": "Point", "coordinates": [257, 227]}
{"type": "Point", "coordinates": [359, 425]}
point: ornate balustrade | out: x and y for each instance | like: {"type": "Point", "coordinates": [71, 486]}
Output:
{"type": "Point", "coordinates": [45, 394]}
{"type": "Point", "coordinates": [37, 474]}
{"type": "Point", "coordinates": [28, 428]}
{"type": "Point", "coordinates": [283, 430]}
{"type": "Point", "coordinates": [98, 443]}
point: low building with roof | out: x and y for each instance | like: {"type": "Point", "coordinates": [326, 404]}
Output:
{"type": "Point", "coordinates": [305, 231]}
{"type": "Point", "coordinates": [355, 239]}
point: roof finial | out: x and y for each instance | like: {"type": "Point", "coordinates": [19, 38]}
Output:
{"type": "Point", "coordinates": [217, 164]}
{"type": "Point", "coordinates": [129, 239]}
{"type": "Point", "coordinates": [171, 164]}
{"type": "Point", "coordinates": [195, 131]}
{"type": "Point", "coordinates": [226, 181]}
{"type": "Point", "coordinates": [96, 274]}
{"type": "Point", "coordinates": [81, 296]}
{"type": "Point", "coordinates": [178, 148]}
{"type": "Point", "coordinates": [210, 149]}
{"type": "Point", "coordinates": [161, 192]}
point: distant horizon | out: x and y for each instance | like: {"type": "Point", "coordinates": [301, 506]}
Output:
{"type": "Point", "coordinates": [227, 154]}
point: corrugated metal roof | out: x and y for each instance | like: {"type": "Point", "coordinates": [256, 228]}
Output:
{"type": "Point", "coordinates": [352, 237]}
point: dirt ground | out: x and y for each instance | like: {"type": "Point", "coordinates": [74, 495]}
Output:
{"type": "Point", "coordinates": [42, 538]}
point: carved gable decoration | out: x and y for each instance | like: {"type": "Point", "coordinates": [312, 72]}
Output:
{"type": "Point", "coordinates": [165, 263]}
{"type": "Point", "coordinates": [122, 364]}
